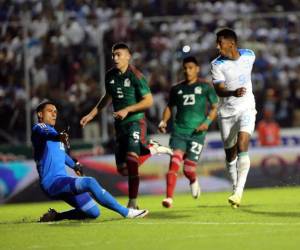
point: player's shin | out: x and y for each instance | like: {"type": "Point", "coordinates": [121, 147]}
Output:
{"type": "Point", "coordinates": [232, 172]}
{"type": "Point", "coordinates": [133, 178]}
{"type": "Point", "coordinates": [189, 170]}
{"type": "Point", "coordinates": [104, 198]}
{"type": "Point", "coordinates": [172, 174]}
{"type": "Point", "coordinates": [243, 166]}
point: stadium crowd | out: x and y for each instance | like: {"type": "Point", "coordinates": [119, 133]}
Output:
{"type": "Point", "coordinates": [62, 42]}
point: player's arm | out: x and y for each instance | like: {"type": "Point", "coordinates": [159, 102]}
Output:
{"type": "Point", "coordinates": [167, 114]}
{"type": "Point", "coordinates": [42, 131]}
{"type": "Point", "coordinates": [145, 103]}
{"type": "Point", "coordinates": [103, 102]}
{"type": "Point", "coordinates": [74, 164]}
{"type": "Point", "coordinates": [223, 92]}
{"type": "Point", "coordinates": [209, 119]}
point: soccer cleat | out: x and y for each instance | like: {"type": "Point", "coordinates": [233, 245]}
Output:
{"type": "Point", "coordinates": [157, 148]}
{"type": "Point", "coordinates": [51, 215]}
{"type": "Point", "coordinates": [234, 206]}
{"type": "Point", "coordinates": [167, 202]}
{"type": "Point", "coordinates": [135, 213]}
{"type": "Point", "coordinates": [234, 200]}
{"type": "Point", "coordinates": [195, 189]}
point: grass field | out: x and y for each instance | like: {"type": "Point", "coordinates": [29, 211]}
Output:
{"type": "Point", "coordinates": [268, 219]}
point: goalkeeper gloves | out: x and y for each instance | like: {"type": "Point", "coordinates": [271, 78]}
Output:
{"type": "Point", "coordinates": [78, 168]}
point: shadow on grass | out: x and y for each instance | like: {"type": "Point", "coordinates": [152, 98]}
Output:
{"type": "Point", "coordinates": [168, 214]}
{"type": "Point", "coordinates": [283, 214]}
{"type": "Point", "coordinates": [222, 206]}
{"type": "Point", "coordinates": [64, 223]}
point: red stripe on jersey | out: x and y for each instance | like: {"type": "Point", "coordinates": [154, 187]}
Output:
{"type": "Point", "coordinates": [136, 72]}
{"type": "Point", "coordinates": [143, 127]}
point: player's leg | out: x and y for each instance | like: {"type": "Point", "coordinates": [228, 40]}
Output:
{"type": "Point", "coordinates": [120, 155]}
{"type": "Point", "coordinates": [229, 131]}
{"type": "Point", "coordinates": [135, 138]}
{"type": "Point", "coordinates": [104, 198]}
{"type": "Point", "coordinates": [247, 123]}
{"type": "Point", "coordinates": [78, 185]}
{"type": "Point", "coordinates": [84, 207]}
{"type": "Point", "coordinates": [151, 147]}
{"type": "Point", "coordinates": [193, 153]}
{"type": "Point", "coordinates": [179, 147]}
{"type": "Point", "coordinates": [132, 163]}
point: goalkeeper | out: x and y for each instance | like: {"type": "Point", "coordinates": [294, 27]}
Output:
{"type": "Point", "coordinates": [79, 192]}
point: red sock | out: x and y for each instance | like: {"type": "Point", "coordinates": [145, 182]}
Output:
{"type": "Point", "coordinates": [133, 176]}
{"type": "Point", "coordinates": [189, 170]}
{"type": "Point", "coordinates": [174, 166]}
{"type": "Point", "coordinates": [143, 158]}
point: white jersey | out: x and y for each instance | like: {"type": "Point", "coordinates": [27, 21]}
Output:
{"type": "Point", "coordinates": [234, 74]}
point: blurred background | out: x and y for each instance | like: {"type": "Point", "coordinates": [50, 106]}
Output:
{"type": "Point", "coordinates": [60, 50]}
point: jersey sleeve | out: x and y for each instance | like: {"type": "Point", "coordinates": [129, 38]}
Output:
{"type": "Point", "coordinates": [69, 161]}
{"type": "Point", "coordinates": [43, 131]}
{"type": "Point", "coordinates": [217, 74]}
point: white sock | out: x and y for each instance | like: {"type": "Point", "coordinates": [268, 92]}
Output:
{"type": "Point", "coordinates": [243, 166]}
{"type": "Point", "coordinates": [232, 170]}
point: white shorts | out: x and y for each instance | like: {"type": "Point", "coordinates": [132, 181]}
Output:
{"type": "Point", "coordinates": [232, 125]}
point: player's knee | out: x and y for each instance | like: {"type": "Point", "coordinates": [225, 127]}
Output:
{"type": "Point", "coordinates": [93, 212]}
{"type": "Point", "coordinates": [176, 161]}
{"type": "Point", "coordinates": [122, 169]}
{"type": "Point", "coordinates": [88, 182]}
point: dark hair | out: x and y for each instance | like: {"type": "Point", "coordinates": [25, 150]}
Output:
{"type": "Point", "coordinates": [227, 34]}
{"type": "Point", "coordinates": [120, 46]}
{"type": "Point", "coordinates": [189, 59]}
{"type": "Point", "coordinates": [43, 104]}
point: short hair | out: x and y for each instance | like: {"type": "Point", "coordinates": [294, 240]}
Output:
{"type": "Point", "coordinates": [189, 59]}
{"type": "Point", "coordinates": [43, 104]}
{"type": "Point", "coordinates": [227, 34]}
{"type": "Point", "coordinates": [120, 46]}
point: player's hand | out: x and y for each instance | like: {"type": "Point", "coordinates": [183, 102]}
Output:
{"type": "Point", "coordinates": [78, 168]}
{"type": "Point", "coordinates": [202, 127]}
{"type": "Point", "coordinates": [121, 114]}
{"type": "Point", "coordinates": [162, 127]}
{"type": "Point", "coordinates": [85, 120]}
{"type": "Point", "coordinates": [240, 92]}
{"type": "Point", "coordinates": [64, 138]}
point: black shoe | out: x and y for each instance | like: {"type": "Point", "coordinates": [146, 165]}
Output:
{"type": "Point", "coordinates": [51, 215]}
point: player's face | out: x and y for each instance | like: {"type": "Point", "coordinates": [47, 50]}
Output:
{"type": "Point", "coordinates": [225, 46]}
{"type": "Point", "coordinates": [121, 59]}
{"type": "Point", "coordinates": [191, 71]}
{"type": "Point", "coordinates": [48, 115]}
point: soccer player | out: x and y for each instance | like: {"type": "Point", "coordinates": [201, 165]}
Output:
{"type": "Point", "coordinates": [51, 160]}
{"type": "Point", "coordinates": [128, 90]}
{"type": "Point", "coordinates": [231, 73]}
{"type": "Point", "coordinates": [190, 97]}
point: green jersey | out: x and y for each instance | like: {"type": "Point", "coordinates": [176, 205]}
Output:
{"type": "Point", "coordinates": [190, 101]}
{"type": "Point", "coordinates": [126, 89]}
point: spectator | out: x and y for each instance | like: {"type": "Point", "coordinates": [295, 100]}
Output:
{"type": "Point", "coordinates": [268, 130]}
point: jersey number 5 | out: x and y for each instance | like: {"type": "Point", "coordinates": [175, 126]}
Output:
{"type": "Point", "coordinates": [189, 99]}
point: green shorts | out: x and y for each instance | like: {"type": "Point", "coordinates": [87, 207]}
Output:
{"type": "Point", "coordinates": [131, 137]}
{"type": "Point", "coordinates": [191, 145]}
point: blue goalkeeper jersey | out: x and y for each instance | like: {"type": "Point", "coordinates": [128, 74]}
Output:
{"type": "Point", "coordinates": [49, 154]}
